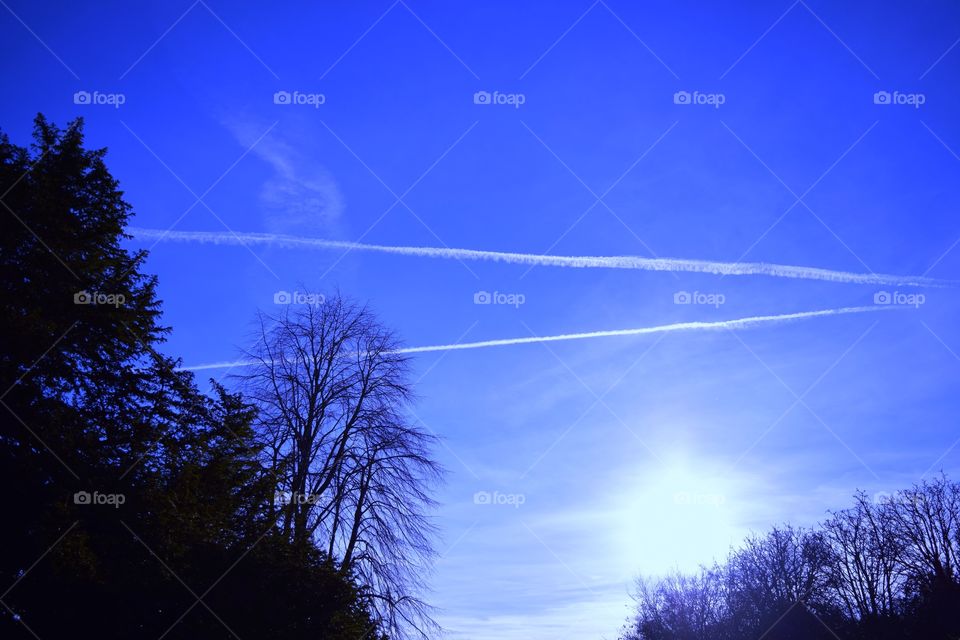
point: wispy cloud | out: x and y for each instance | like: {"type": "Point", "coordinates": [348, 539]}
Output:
{"type": "Point", "coordinates": [601, 262]}
{"type": "Point", "coordinates": [300, 196]}
{"type": "Point", "coordinates": [739, 323]}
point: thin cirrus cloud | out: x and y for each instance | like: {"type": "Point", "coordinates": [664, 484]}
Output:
{"type": "Point", "coordinates": [300, 196]}
{"type": "Point", "coordinates": [603, 262]}
{"type": "Point", "coordinates": [739, 323]}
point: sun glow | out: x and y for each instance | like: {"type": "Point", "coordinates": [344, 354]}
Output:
{"type": "Point", "coordinates": [680, 514]}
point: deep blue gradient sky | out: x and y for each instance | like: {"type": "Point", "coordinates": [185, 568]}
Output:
{"type": "Point", "coordinates": [629, 455]}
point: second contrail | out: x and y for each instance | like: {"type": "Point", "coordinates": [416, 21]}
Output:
{"type": "Point", "coordinates": [740, 323]}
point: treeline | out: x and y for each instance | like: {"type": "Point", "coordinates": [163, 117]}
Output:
{"type": "Point", "coordinates": [883, 569]}
{"type": "Point", "coordinates": [293, 505]}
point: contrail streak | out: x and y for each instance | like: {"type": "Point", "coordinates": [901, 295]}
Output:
{"type": "Point", "coordinates": [740, 323]}
{"type": "Point", "coordinates": [602, 262]}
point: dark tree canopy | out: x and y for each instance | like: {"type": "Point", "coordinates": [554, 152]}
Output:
{"type": "Point", "coordinates": [141, 505]}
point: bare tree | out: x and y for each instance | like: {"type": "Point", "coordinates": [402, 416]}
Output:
{"type": "Point", "coordinates": [354, 473]}
{"type": "Point", "coordinates": [692, 607]}
{"type": "Point", "coordinates": [865, 565]}
{"type": "Point", "coordinates": [779, 579]}
{"type": "Point", "coordinates": [882, 570]}
{"type": "Point", "coordinates": [926, 520]}
{"type": "Point", "coordinates": [785, 565]}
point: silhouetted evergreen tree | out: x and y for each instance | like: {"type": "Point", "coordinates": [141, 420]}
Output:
{"type": "Point", "coordinates": [136, 505]}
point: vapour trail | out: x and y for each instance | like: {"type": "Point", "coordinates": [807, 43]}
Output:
{"type": "Point", "coordinates": [740, 323]}
{"type": "Point", "coordinates": [602, 262]}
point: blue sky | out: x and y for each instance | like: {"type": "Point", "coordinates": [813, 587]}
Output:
{"type": "Point", "coordinates": [612, 456]}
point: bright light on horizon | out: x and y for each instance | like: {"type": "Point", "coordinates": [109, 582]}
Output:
{"type": "Point", "coordinates": [679, 515]}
